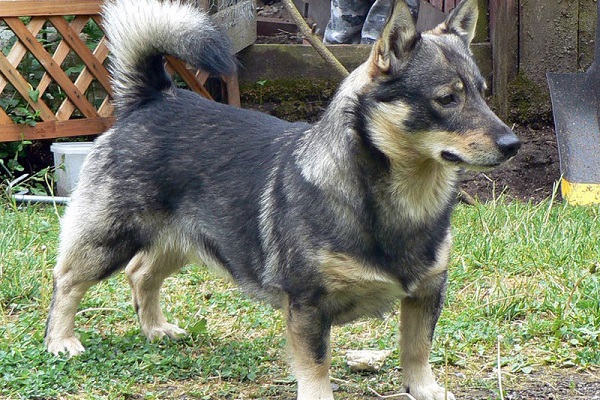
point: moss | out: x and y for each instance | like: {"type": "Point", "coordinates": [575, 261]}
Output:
{"type": "Point", "coordinates": [289, 99]}
{"type": "Point", "coordinates": [529, 103]}
{"type": "Point", "coordinates": [305, 99]}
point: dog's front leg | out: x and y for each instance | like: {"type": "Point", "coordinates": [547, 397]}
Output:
{"type": "Point", "coordinates": [419, 315]}
{"type": "Point", "coordinates": [308, 341]}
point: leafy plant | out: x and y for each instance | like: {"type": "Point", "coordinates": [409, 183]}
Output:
{"type": "Point", "coordinates": [11, 156]}
{"type": "Point", "coordinates": [13, 177]}
{"type": "Point", "coordinates": [261, 84]}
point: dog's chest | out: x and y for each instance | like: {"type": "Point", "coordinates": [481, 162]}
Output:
{"type": "Point", "coordinates": [355, 289]}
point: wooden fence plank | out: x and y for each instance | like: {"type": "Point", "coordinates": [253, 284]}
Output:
{"type": "Point", "coordinates": [97, 18]}
{"type": "Point", "coordinates": [201, 76]}
{"type": "Point", "coordinates": [61, 52]}
{"type": "Point", "coordinates": [233, 90]}
{"type": "Point", "coordinates": [482, 33]}
{"type": "Point", "coordinates": [94, 121]}
{"type": "Point", "coordinates": [107, 108]}
{"type": "Point", "coordinates": [55, 129]}
{"type": "Point", "coordinates": [504, 29]}
{"type": "Point", "coordinates": [558, 20]}
{"type": "Point", "coordinates": [180, 67]}
{"type": "Point", "coordinates": [19, 8]}
{"type": "Point", "coordinates": [439, 4]}
{"type": "Point", "coordinates": [4, 118]}
{"type": "Point", "coordinates": [238, 19]}
{"type": "Point", "coordinates": [86, 55]}
{"type": "Point", "coordinates": [588, 17]}
{"type": "Point", "coordinates": [82, 82]}
{"type": "Point", "coordinates": [449, 5]}
{"type": "Point", "coordinates": [18, 51]}
{"type": "Point", "coordinates": [53, 69]}
{"type": "Point", "coordinates": [23, 87]}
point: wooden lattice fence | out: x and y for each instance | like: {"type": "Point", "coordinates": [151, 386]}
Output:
{"type": "Point", "coordinates": [53, 76]}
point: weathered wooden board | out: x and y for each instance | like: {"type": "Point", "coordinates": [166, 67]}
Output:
{"type": "Point", "coordinates": [18, 8]}
{"type": "Point", "coordinates": [429, 16]}
{"type": "Point", "coordinates": [548, 38]}
{"type": "Point", "coordinates": [55, 129]}
{"type": "Point", "coordinates": [237, 17]}
{"type": "Point", "coordinates": [504, 32]}
{"type": "Point", "coordinates": [276, 61]}
{"type": "Point", "coordinates": [239, 20]}
{"type": "Point", "coordinates": [588, 10]}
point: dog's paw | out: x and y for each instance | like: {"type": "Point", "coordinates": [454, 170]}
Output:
{"type": "Point", "coordinates": [70, 346]}
{"type": "Point", "coordinates": [160, 331]}
{"type": "Point", "coordinates": [430, 392]}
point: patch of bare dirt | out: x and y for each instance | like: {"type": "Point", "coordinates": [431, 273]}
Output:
{"type": "Point", "coordinates": [559, 385]}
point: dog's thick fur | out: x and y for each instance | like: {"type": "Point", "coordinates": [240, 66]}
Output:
{"type": "Point", "coordinates": [329, 222]}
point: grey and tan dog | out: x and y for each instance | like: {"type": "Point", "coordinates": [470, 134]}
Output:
{"type": "Point", "coordinates": [329, 222]}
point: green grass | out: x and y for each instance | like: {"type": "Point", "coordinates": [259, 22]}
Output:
{"type": "Point", "coordinates": [527, 273]}
{"type": "Point", "coordinates": [523, 277]}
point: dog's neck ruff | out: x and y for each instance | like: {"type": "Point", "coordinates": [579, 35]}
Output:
{"type": "Point", "coordinates": [422, 192]}
{"type": "Point", "coordinates": [324, 154]}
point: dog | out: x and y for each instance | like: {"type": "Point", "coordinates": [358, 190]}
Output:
{"type": "Point", "coordinates": [329, 222]}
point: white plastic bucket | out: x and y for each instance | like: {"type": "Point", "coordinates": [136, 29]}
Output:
{"type": "Point", "coordinates": [68, 159]}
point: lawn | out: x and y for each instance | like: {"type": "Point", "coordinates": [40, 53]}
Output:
{"type": "Point", "coordinates": [523, 296]}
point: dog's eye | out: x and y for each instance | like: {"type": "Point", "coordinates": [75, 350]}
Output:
{"type": "Point", "coordinates": [446, 100]}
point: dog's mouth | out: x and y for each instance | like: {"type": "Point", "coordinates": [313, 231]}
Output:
{"type": "Point", "coordinates": [456, 159]}
{"type": "Point", "coordinates": [452, 157]}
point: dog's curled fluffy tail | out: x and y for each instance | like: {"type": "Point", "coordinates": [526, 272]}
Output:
{"type": "Point", "coordinates": [140, 32]}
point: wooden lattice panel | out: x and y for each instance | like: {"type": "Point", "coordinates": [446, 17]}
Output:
{"type": "Point", "coordinates": [53, 76]}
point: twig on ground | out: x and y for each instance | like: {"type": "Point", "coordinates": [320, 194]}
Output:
{"type": "Point", "coordinates": [393, 396]}
{"type": "Point", "coordinates": [466, 198]}
{"type": "Point", "coordinates": [98, 309]}
{"type": "Point", "coordinates": [499, 369]}
{"type": "Point", "coordinates": [340, 380]}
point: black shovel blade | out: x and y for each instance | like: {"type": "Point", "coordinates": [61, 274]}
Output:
{"type": "Point", "coordinates": [575, 110]}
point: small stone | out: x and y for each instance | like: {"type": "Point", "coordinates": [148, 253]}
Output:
{"type": "Point", "coordinates": [366, 360]}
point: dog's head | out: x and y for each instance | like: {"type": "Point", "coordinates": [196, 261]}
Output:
{"type": "Point", "coordinates": [425, 95]}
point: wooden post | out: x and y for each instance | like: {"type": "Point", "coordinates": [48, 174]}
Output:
{"type": "Point", "coordinates": [587, 33]}
{"type": "Point", "coordinates": [548, 41]}
{"type": "Point", "coordinates": [504, 35]}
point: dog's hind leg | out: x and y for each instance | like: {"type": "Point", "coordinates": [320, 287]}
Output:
{"type": "Point", "coordinates": [69, 289]}
{"type": "Point", "coordinates": [89, 252]}
{"type": "Point", "coordinates": [308, 342]}
{"type": "Point", "coordinates": [146, 273]}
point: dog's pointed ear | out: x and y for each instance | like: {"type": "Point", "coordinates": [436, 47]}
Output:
{"type": "Point", "coordinates": [398, 38]}
{"type": "Point", "coordinates": [462, 21]}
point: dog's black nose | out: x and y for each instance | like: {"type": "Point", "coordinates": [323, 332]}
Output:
{"type": "Point", "coordinates": [508, 144]}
